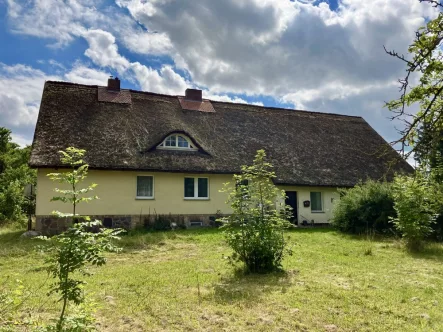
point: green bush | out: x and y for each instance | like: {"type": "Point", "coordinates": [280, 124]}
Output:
{"type": "Point", "coordinates": [14, 175]}
{"type": "Point", "coordinates": [417, 201]}
{"type": "Point", "coordinates": [12, 202]}
{"type": "Point", "coordinates": [161, 223]}
{"type": "Point", "coordinates": [437, 228]}
{"type": "Point", "coordinates": [368, 207]}
{"type": "Point", "coordinates": [254, 230]}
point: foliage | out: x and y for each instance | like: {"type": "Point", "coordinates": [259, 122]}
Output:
{"type": "Point", "coordinates": [255, 228]}
{"type": "Point", "coordinates": [161, 223]}
{"type": "Point", "coordinates": [417, 201]}
{"type": "Point", "coordinates": [164, 222]}
{"type": "Point", "coordinates": [14, 175]}
{"type": "Point", "coordinates": [10, 302]}
{"type": "Point", "coordinates": [437, 227]}
{"type": "Point", "coordinates": [423, 130]}
{"type": "Point", "coordinates": [74, 249]}
{"type": "Point", "coordinates": [366, 208]}
{"type": "Point", "coordinates": [80, 320]}
{"type": "Point", "coordinates": [215, 221]}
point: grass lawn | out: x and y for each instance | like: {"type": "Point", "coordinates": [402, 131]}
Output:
{"type": "Point", "coordinates": [171, 281]}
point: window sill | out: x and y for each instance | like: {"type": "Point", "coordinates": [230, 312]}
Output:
{"type": "Point", "coordinates": [317, 211]}
{"type": "Point", "coordinates": [196, 198]}
{"type": "Point", "coordinates": [142, 198]}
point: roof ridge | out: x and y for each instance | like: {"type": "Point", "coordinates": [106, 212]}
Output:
{"type": "Point", "coordinates": [214, 101]}
{"type": "Point", "coordinates": [285, 109]}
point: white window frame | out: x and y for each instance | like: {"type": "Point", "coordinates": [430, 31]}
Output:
{"type": "Point", "coordinates": [195, 188]}
{"type": "Point", "coordinates": [153, 187]}
{"type": "Point", "coordinates": [321, 201]}
{"type": "Point", "coordinates": [191, 146]}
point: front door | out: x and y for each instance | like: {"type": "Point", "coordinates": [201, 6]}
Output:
{"type": "Point", "coordinates": [291, 200]}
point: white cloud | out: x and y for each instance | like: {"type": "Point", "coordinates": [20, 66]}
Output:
{"type": "Point", "coordinates": [63, 21]}
{"type": "Point", "coordinates": [85, 75]}
{"type": "Point", "coordinates": [226, 98]}
{"type": "Point", "coordinates": [278, 47]}
{"type": "Point", "coordinates": [21, 89]}
{"type": "Point", "coordinates": [20, 139]}
{"type": "Point", "coordinates": [164, 81]}
{"type": "Point", "coordinates": [146, 42]}
{"type": "Point", "coordinates": [53, 19]}
{"type": "Point", "coordinates": [104, 53]}
{"type": "Point", "coordinates": [20, 92]}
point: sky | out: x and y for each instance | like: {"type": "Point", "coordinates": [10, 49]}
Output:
{"type": "Point", "coordinates": [322, 56]}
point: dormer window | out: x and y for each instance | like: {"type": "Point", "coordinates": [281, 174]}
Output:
{"type": "Point", "coordinates": [177, 142]}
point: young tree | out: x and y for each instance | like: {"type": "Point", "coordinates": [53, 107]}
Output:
{"type": "Point", "coordinates": [255, 228]}
{"type": "Point", "coordinates": [422, 131]}
{"type": "Point", "coordinates": [74, 249]}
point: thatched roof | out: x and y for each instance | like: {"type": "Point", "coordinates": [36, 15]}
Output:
{"type": "Point", "coordinates": [306, 148]}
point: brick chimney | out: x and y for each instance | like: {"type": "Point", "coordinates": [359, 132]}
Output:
{"type": "Point", "coordinates": [193, 95]}
{"type": "Point", "coordinates": [113, 84]}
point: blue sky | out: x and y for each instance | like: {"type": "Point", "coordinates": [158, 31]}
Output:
{"type": "Point", "coordinates": [324, 56]}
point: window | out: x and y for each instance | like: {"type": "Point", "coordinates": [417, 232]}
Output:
{"type": "Point", "coordinates": [177, 142]}
{"type": "Point", "coordinates": [316, 202]}
{"type": "Point", "coordinates": [196, 188]}
{"type": "Point", "coordinates": [145, 187]}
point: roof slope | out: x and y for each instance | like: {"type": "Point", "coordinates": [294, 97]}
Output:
{"type": "Point", "coordinates": [305, 148]}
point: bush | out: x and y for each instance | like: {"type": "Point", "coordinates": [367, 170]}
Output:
{"type": "Point", "coordinates": [437, 228]}
{"type": "Point", "coordinates": [417, 201]}
{"type": "Point", "coordinates": [254, 230]}
{"type": "Point", "coordinates": [14, 175]}
{"type": "Point", "coordinates": [12, 202]}
{"type": "Point", "coordinates": [161, 223]}
{"type": "Point", "coordinates": [164, 222]}
{"type": "Point", "coordinates": [368, 207]}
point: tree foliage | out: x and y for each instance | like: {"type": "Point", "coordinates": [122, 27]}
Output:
{"type": "Point", "coordinates": [255, 228]}
{"type": "Point", "coordinates": [417, 201]}
{"type": "Point", "coordinates": [14, 175]}
{"type": "Point", "coordinates": [422, 131]}
{"type": "Point", "coordinates": [78, 247]}
{"type": "Point", "coordinates": [365, 208]}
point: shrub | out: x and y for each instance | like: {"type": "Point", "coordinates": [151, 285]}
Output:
{"type": "Point", "coordinates": [417, 200]}
{"type": "Point", "coordinates": [12, 201]}
{"type": "Point", "coordinates": [161, 223]}
{"type": "Point", "coordinates": [365, 208]}
{"type": "Point", "coordinates": [164, 222]}
{"type": "Point", "coordinates": [14, 175]}
{"type": "Point", "coordinates": [437, 227]}
{"type": "Point", "coordinates": [255, 228]}
{"type": "Point", "coordinates": [216, 221]}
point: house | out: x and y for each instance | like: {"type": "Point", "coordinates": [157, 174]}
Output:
{"type": "Point", "coordinates": [154, 154]}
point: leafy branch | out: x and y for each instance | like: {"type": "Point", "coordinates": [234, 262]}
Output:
{"type": "Point", "coordinates": [72, 251]}
{"type": "Point", "coordinates": [426, 65]}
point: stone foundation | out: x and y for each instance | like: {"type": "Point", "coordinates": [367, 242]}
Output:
{"type": "Point", "coordinates": [51, 225]}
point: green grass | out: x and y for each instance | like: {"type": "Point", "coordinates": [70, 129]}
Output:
{"type": "Point", "coordinates": [172, 281]}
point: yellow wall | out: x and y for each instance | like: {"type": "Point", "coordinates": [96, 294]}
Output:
{"type": "Point", "coordinates": [329, 197]}
{"type": "Point", "coordinates": [117, 191]}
